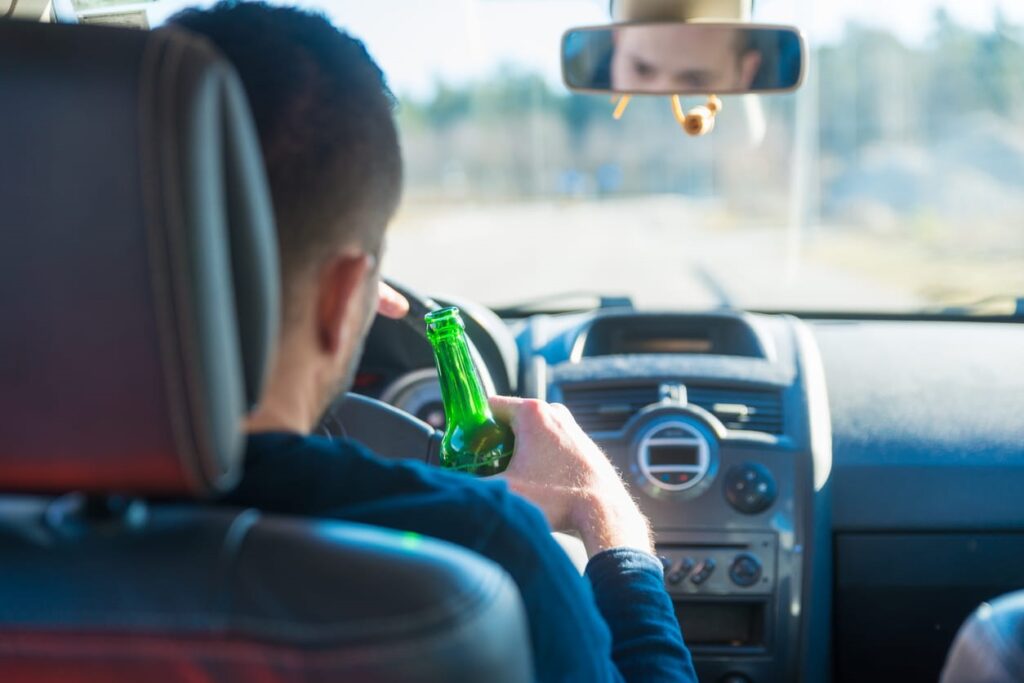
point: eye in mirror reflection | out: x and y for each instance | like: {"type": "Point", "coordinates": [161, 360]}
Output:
{"type": "Point", "coordinates": [677, 58]}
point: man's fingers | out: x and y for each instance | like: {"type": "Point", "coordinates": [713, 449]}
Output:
{"type": "Point", "coordinates": [561, 409]}
{"type": "Point", "coordinates": [505, 408]}
{"type": "Point", "coordinates": [390, 303]}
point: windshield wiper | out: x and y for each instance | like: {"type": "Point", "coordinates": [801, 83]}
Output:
{"type": "Point", "coordinates": [714, 285]}
{"type": "Point", "coordinates": [1004, 306]}
{"type": "Point", "coordinates": [559, 303]}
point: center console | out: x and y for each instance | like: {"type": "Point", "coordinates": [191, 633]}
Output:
{"type": "Point", "coordinates": [720, 424]}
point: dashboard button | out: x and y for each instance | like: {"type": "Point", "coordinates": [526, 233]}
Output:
{"type": "Point", "coordinates": [745, 570]}
{"type": "Point", "coordinates": [680, 571]}
{"type": "Point", "coordinates": [750, 488]}
{"type": "Point", "coordinates": [702, 571]}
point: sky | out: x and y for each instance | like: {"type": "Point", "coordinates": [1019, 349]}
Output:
{"type": "Point", "coordinates": [418, 42]}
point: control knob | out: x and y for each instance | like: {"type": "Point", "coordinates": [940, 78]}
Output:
{"type": "Point", "coordinates": [750, 488]}
{"type": "Point", "coordinates": [745, 570]}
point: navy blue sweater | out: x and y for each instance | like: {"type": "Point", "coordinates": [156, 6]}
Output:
{"type": "Point", "coordinates": [617, 624]}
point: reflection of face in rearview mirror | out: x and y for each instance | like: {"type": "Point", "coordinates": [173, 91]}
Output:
{"type": "Point", "coordinates": [651, 58]}
{"type": "Point", "coordinates": [674, 58]}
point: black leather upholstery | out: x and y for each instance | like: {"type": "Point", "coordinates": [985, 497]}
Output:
{"type": "Point", "coordinates": [990, 645]}
{"type": "Point", "coordinates": [180, 593]}
{"type": "Point", "coordinates": [138, 308]}
{"type": "Point", "coordinates": [134, 223]}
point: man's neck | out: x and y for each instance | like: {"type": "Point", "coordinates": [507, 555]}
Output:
{"type": "Point", "coordinates": [270, 417]}
{"type": "Point", "coordinates": [289, 402]}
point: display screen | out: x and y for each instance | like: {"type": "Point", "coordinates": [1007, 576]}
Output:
{"type": "Point", "coordinates": [643, 344]}
{"type": "Point", "coordinates": [672, 455]}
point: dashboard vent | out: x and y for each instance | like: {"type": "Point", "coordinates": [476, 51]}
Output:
{"type": "Point", "coordinates": [607, 409]}
{"type": "Point", "coordinates": [751, 410]}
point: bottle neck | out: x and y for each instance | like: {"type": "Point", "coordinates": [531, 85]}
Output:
{"type": "Point", "coordinates": [465, 402]}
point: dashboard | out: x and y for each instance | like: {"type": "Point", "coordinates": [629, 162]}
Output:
{"type": "Point", "coordinates": [727, 448]}
{"type": "Point", "coordinates": [821, 491]}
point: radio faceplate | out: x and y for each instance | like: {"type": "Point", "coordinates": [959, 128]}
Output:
{"type": "Point", "coordinates": [729, 595]}
{"type": "Point", "coordinates": [746, 565]}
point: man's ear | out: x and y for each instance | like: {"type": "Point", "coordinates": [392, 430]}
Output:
{"type": "Point", "coordinates": [340, 298]}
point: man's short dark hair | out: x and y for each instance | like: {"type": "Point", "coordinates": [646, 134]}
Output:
{"type": "Point", "coordinates": [324, 116]}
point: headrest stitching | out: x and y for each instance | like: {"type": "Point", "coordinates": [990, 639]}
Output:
{"type": "Point", "coordinates": [180, 277]}
{"type": "Point", "coordinates": [156, 51]}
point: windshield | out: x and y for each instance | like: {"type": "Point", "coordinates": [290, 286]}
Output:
{"type": "Point", "coordinates": [893, 180]}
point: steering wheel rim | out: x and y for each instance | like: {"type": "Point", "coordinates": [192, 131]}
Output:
{"type": "Point", "coordinates": [386, 430]}
{"type": "Point", "coordinates": [419, 306]}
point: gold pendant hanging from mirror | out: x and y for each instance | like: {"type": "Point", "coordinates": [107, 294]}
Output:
{"type": "Point", "coordinates": [698, 121]}
{"type": "Point", "coordinates": [620, 106]}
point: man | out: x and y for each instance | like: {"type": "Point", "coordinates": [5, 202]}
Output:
{"type": "Point", "coordinates": [324, 117]}
{"type": "Point", "coordinates": [673, 58]}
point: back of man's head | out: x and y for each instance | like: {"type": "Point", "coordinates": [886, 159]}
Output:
{"type": "Point", "coordinates": [324, 116]}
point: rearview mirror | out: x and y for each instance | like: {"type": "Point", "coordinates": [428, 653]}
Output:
{"type": "Point", "coordinates": [683, 58]}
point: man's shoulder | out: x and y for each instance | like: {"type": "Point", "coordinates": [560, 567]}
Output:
{"type": "Point", "coordinates": [337, 477]}
{"type": "Point", "coordinates": [322, 456]}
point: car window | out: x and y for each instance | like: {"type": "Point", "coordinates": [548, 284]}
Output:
{"type": "Point", "coordinates": [893, 180]}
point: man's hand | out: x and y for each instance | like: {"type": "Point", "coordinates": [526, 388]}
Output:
{"type": "Point", "coordinates": [561, 470]}
{"type": "Point", "coordinates": [390, 303]}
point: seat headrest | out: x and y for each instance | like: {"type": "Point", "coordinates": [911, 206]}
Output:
{"type": "Point", "coordinates": [138, 267]}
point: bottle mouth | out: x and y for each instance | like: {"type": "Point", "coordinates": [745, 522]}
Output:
{"type": "Point", "coordinates": [444, 321]}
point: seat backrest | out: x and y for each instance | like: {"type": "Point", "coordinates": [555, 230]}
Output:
{"type": "Point", "coordinates": [138, 310]}
{"type": "Point", "coordinates": [171, 593]}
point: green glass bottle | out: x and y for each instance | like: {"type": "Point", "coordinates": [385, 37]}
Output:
{"type": "Point", "coordinates": [473, 440]}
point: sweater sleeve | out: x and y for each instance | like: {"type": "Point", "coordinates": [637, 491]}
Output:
{"type": "Point", "coordinates": [629, 590]}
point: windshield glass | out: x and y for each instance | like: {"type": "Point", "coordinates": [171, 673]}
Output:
{"type": "Point", "coordinates": [893, 180]}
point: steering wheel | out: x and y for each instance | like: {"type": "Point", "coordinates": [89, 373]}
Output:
{"type": "Point", "coordinates": [395, 434]}
{"type": "Point", "coordinates": [389, 432]}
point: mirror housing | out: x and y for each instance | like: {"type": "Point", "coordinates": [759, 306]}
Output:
{"type": "Point", "coordinates": [682, 58]}
{"type": "Point", "coordinates": [681, 10]}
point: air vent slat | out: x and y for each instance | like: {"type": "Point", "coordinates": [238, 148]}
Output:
{"type": "Point", "coordinates": [607, 409]}
{"type": "Point", "coordinates": [763, 408]}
